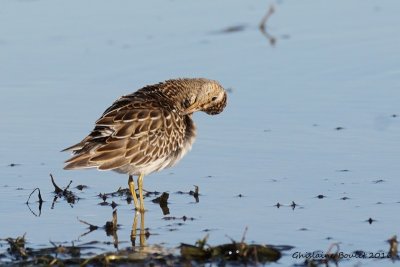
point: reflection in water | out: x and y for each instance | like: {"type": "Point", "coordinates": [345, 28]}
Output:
{"type": "Point", "coordinates": [195, 193]}
{"type": "Point", "coordinates": [163, 202]}
{"type": "Point", "coordinates": [142, 233]}
{"type": "Point", "coordinates": [111, 228]}
{"type": "Point", "coordinates": [40, 201]}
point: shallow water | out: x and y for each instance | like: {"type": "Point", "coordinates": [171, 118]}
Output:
{"type": "Point", "coordinates": [334, 64]}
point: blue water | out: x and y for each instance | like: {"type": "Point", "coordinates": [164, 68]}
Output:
{"type": "Point", "coordinates": [334, 64]}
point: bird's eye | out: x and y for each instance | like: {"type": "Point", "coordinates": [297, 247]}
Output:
{"type": "Point", "coordinates": [186, 103]}
{"type": "Point", "coordinates": [214, 98]}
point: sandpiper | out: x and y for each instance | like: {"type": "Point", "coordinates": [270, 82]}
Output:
{"type": "Point", "coordinates": [148, 130]}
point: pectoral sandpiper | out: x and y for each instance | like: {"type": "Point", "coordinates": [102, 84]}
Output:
{"type": "Point", "coordinates": [148, 130]}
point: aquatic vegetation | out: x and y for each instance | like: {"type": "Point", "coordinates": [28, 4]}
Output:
{"type": "Point", "coordinates": [235, 252]}
{"type": "Point", "coordinates": [239, 252]}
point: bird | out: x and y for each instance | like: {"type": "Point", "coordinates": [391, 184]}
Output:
{"type": "Point", "coordinates": [148, 130]}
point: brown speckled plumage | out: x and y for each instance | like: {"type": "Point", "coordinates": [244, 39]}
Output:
{"type": "Point", "coordinates": [148, 130]}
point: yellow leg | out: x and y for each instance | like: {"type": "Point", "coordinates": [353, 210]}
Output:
{"type": "Point", "coordinates": [140, 185]}
{"type": "Point", "coordinates": [131, 185]}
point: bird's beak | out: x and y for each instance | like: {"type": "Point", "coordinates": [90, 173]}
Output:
{"type": "Point", "coordinates": [191, 109]}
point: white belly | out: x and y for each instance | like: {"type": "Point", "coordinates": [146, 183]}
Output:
{"type": "Point", "coordinates": [158, 164]}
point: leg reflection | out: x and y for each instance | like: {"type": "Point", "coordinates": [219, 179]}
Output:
{"type": "Point", "coordinates": [142, 233]}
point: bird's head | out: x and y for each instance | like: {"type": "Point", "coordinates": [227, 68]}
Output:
{"type": "Point", "coordinates": [208, 96]}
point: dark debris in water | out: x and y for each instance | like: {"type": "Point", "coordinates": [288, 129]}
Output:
{"type": "Point", "coordinates": [194, 193]}
{"type": "Point", "coordinates": [14, 164]}
{"type": "Point", "coordinates": [208, 230]}
{"type": "Point", "coordinates": [183, 218]}
{"type": "Point", "coordinates": [122, 193]}
{"type": "Point", "coordinates": [110, 227]}
{"type": "Point", "coordinates": [126, 194]}
{"type": "Point", "coordinates": [113, 205]}
{"type": "Point", "coordinates": [151, 193]}
{"type": "Point", "coordinates": [81, 187]}
{"type": "Point", "coordinates": [343, 170]}
{"type": "Point", "coordinates": [339, 128]}
{"type": "Point", "coordinates": [119, 193]}
{"type": "Point", "coordinates": [65, 193]}
{"type": "Point", "coordinates": [293, 205]}
{"type": "Point", "coordinates": [163, 202]}
{"type": "Point", "coordinates": [234, 252]}
{"type": "Point", "coordinates": [232, 29]}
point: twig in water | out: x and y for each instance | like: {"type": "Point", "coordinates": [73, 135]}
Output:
{"type": "Point", "coordinates": [264, 20]}
{"type": "Point", "coordinates": [263, 23]}
{"type": "Point", "coordinates": [57, 189]}
{"type": "Point", "coordinates": [68, 195]}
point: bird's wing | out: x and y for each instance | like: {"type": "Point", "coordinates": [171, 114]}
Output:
{"type": "Point", "coordinates": [132, 131]}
